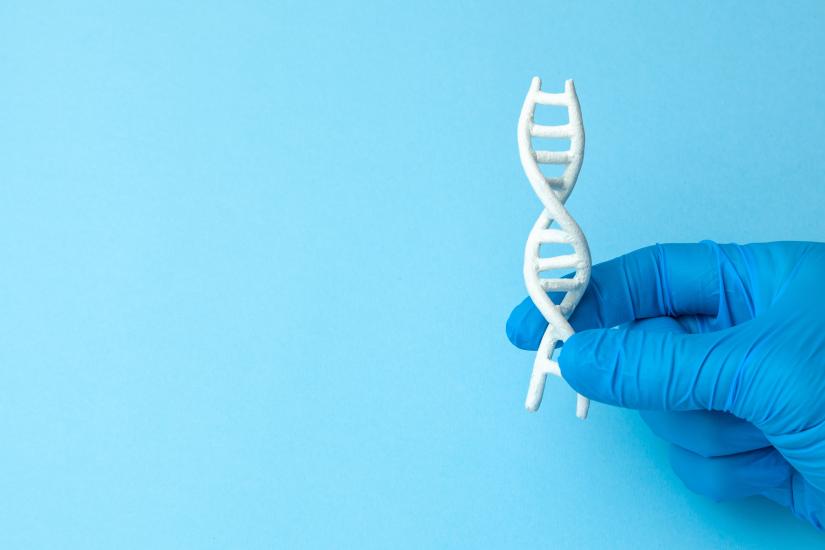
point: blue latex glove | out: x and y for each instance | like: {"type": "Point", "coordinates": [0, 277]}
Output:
{"type": "Point", "coordinates": [722, 348]}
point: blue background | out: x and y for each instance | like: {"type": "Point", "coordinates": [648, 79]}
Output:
{"type": "Point", "coordinates": [256, 259]}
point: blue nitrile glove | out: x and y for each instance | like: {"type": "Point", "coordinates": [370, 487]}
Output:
{"type": "Point", "coordinates": [722, 347]}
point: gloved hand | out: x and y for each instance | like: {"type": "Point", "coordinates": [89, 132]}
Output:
{"type": "Point", "coordinates": [722, 348]}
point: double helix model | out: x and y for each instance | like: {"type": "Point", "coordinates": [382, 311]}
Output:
{"type": "Point", "coordinates": [553, 193]}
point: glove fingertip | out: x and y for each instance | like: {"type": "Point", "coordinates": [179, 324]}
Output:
{"type": "Point", "coordinates": [577, 360]}
{"type": "Point", "coordinates": [525, 326]}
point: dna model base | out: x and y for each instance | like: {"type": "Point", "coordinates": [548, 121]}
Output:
{"type": "Point", "coordinates": [554, 226]}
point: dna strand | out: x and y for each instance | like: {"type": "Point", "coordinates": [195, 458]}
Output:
{"type": "Point", "coordinates": [553, 193]}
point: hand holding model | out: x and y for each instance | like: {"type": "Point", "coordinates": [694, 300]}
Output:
{"type": "Point", "coordinates": [722, 349]}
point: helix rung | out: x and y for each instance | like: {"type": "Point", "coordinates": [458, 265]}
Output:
{"type": "Point", "coordinates": [559, 262]}
{"type": "Point", "coordinates": [549, 366]}
{"type": "Point", "coordinates": [560, 285]}
{"type": "Point", "coordinates": [553, 157]}
{"type": "Point", "coordinates": [553, 236]}
{"type": "Point", "coordinates": [555, 182]}
{"type": "Point", "coordinates": [545, 98]}
{"type": "Point", "coordinates": [540, 130]}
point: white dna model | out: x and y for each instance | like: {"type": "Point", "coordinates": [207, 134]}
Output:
{"type": "Point", "coordinates": [553, 192]}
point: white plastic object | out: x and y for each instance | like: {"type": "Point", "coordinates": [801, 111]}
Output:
{"type": "Point", "coordinates": [553, 193]}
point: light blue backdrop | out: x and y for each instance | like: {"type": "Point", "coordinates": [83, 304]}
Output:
{"type": "Point", "coordinates": [256, 259]}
